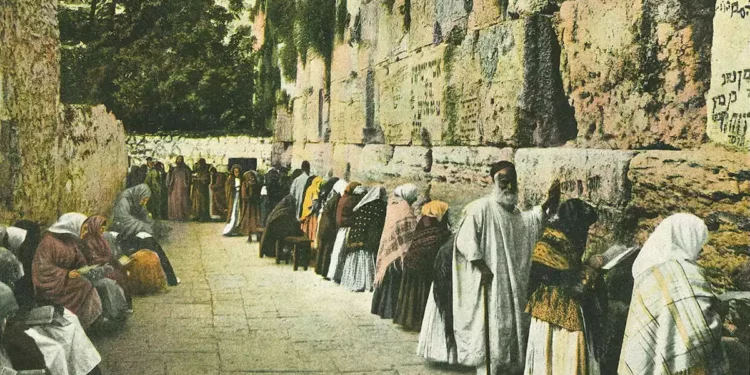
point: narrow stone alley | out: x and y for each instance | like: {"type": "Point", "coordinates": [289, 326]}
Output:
{"type": "Point", "coordinates": [237, 313]}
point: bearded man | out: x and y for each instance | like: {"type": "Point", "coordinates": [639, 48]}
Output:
{"type": "Point", "coordinates": [492, 250]}
{"type": "Point", "coordinates": [178, 183]}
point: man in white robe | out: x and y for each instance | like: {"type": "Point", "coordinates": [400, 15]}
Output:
{"type": "Point", "coordinates": [493, 248]}
{"type": "Point", "coordinates": [297, 190]}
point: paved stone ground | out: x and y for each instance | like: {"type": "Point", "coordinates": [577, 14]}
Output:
{"type": "Point", "coordinates": [236, 313]}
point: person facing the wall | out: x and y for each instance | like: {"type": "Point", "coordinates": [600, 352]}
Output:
{"type": "Point", "coordinates": [178, 183]}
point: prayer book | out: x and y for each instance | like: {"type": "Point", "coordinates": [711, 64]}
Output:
{"type": "Point", "coordinates": [616, 254]}
{"type": "Point", "coordinates": [143, 235]}
{"type": "Point", "coordinates": [125, 260]}
{"type": "Point", "coordinates": [40, 315]}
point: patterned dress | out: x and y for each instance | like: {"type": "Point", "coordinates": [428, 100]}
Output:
{"type": "Point", "coordinates": [362, 248]}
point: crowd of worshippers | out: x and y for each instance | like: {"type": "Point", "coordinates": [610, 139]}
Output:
{"type": "Point", "coordinates": [242, 199]}
{"type": "Point", "coordinates": [75, 278]}
{"type": "Point", "coordinates": [509, 291]}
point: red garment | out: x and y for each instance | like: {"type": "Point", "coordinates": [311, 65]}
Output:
{"type": "Point", "coordinates": [56, 255]}
{"type": "Point", "coordinates": [178, 183]}
{"type": "Point", "coordinates": [219, 198]}
{"type": "Point", "coordinates": [98, 252]}
{"type": "Point", "coordinates": [250, 195]}
{"type": "Point", "coordinates": [345, 210]}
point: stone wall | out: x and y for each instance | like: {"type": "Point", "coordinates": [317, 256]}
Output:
{"type": "Point", "coordinates": [216, 150]}
{"type": "Point", "coordinates": [51, 162]}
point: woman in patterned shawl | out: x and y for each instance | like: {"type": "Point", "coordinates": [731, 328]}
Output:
{"type": "Point", "coordinates": [364, 239]}
{"type": "Point", "coordinates": [431, 233]}
{"type": "Point", "coordinates": [561, 289]}
{"type": "Point", "coordinates": [399, 227]}
{"type": "Point", "coordinates": [673, 326]}
{"type": "Point", "coordinates": [344, 216]}
{"type": "Point", "coordinates": [327, 226]}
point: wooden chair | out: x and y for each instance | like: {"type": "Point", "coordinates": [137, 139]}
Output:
{"type": "Point", "coordinates": [301, 251]}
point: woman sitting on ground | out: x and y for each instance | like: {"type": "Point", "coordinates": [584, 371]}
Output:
{"type": "Point", "coordinates": [431, 233]}
{"type": "Point", "coordinates": [135, 229]}
{"type": "Point", "coordinates": [55, 270]}
{"type": "Point", "coordinates": [673, 326]}
{"type": "Point", "coordinates": [364, 239]}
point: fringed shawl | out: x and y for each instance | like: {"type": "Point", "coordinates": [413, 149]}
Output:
{"type": "Point", "coordinates": [398, 231]}
{"type": "Point", "coordinates": [429, 236]}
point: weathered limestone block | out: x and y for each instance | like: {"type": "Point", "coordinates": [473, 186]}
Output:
{"type": "Point", "coordinates": [707, 181]}
{"type": "Point", "coordinates": [636, 71]}
{"type": "Point", "coordinates": [310, 104]}
{"type": "Point", "coordinates": [728, 102]}
{"type": "Point", "coordinates": [408, 162]}
{"type": "Point", "coordinates": [346, 161]}
{"type": "Point", "coordinates": [450, 15]}
{"type": "Point", "coordinates": [94, 163]}
{"type": "Point", "coordinates": [283, 124]}
{"type": "Point", "coordinates": [467, 165]}
{"type": "Point", "coordinates": [373, 161]}
{"type": "Point", "coordinates": [29, 105]}
{"type": "Point", "coordinates": [392, 42]}
{"type": "Point", "coordinates": [599, 177]}
{"type": "Point", "coordinates": [423, 14]}
{"type": "Point", "coordinates": [394, 94]}
{"type": "Point", "coordinates": [318, 154]}
{"type": "Point", "coordinates": [484, 13]}
{"type": "Point", "coordinates": [347, 111]}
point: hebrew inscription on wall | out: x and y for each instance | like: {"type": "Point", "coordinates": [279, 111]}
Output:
{"type": "Point", "coordinates": [729, 98]}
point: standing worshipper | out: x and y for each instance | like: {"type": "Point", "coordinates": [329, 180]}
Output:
{"type": "Point", "coordinates": [309, 221]}
{"type": "Point", "coordinates": [398, 231]}
{"type": "Point", "coordinates": [178, 182]}
{"type": "Point", "coordinates": [155, 184]}
{"type": "Point", "coordinates": [55, 270]}
{"type": "Point", "coordinates": [673, 326]}
{"type": "Point", "coordinates": [135, 230]}
{"type": "Point", "coordinates": [493, 249]}
{"type": "Point", "coordinates": [364, 239]}
{"type": "Point", "coordinates": [431, 233]}
{"type": "Point", "coordinates": [218, 195]}
{"type": "Point", "coordinates": [561, 336]}
{"type": "Point", "coordinates": [271, 194]}
{"type": "Point", "coordinates": [299, 184]}
{"type": "Point", "coordinates": [344, 220]}
{"type": "Point", "coordinates": [164, 195]}
{"type": "Point", "coordinates": [250, 204]}
{"type": "Point", "coordinates": [233, 192]}
{"type": "Point", "coordinates": [201, 182]}
{"type": "Point", "coordinates": [327, 228]}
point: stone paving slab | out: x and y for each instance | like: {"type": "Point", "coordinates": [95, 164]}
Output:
{"type": "Point", "coordinates": [236, 314]}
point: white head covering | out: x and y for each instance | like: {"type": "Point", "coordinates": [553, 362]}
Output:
{"type": "Point", "coordinates": [340, 186]}
{"type": "Point", "coordinates": [408, 192]}
{"type": "Point", "coordinates": [16, 236]}
{"type": "Point", "coordinates": [374, 194]}
{"type": "Point", "coordinates": [678, 237]}
{"type": "Point", "coordinates": [69, 223]}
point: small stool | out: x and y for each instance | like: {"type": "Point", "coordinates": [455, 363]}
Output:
{"type": "Point", "coordinates": [258, 232]}
{"type": "Point", "coordinates": [301, 248]}
{"type": "Point", "coordinates": [279, 247]}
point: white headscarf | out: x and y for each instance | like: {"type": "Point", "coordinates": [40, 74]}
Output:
{"type": "Point", "coordinates": [69, 223]}
{"type": "Point", "coordinates": [678, 237]}
{"type": "Point", "coordinates": [409, 192]}
{"type": "Point", "coordinates": [374, 194]}
{"type": "Point", "coordinates": [340, 186]}
{"type": "Point", "coordinates": [16, 236]}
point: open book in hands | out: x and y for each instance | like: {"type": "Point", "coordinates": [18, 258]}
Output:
{"type": "Point", "coordinates": [124, 260]}
{"type": "Point", "coordinates": [613, 256]}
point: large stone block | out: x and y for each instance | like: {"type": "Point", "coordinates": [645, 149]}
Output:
{"type": "Point", "coordinates": [636, 71]}
{"type": "Point", "coordinates": [708, 182]}
{"type": "Point", "coordinates": [422, 23]}
{"type": "Point", "coordinates": [392, 42]}
{"type": "Point", "coordinates": [94, 161]}
{"type": "Point", "coordinates": [484, 13]}
{"type": "Point", "coordinates": [467, 165]}
{"type": "Point", "coordinates": [728, 102]}
{"type": "Point", "coordinates": [283, 125]}
{"type": "Point", "coordinates": [310, 104]}
{"type": "Point", "coordinates": [347, 111]}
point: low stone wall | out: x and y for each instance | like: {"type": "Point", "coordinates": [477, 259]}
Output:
{"type": "Point", "coordinates": [216, 150]}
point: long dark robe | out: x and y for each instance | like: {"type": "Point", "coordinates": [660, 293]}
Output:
{"type": "Point", "coordinates": [57, 255]}
{"type": "Point", "coordinates": [219, 198]}
{"type": "Point", "coordinates": [274, 194]}
{"type": "Point", "coordinates": [327, 230]}
{"type": "Point", "coordinates": [24, 290]}
{"type": "Point", "coordinates": [250, 196]}
{"type": "Point", "coordinates": [153, 181]}
{"type": "Point", "coordinates": [417, 278]}
{"type": "Point", "coordinates": [201, 203]}
{"type": "Point", "coordinates": [178, 182]}
{"type": "Point", "coordinates": [282, 222]}
{"type": "Point", "coordinates": [443, 288]}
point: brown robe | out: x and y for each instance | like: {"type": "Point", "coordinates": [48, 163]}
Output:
{"type": "Point", "coordinates": [250, 195]}
{"type": "Point", "coordinates": [219, 198]}
{"type": "Point", "coordinates": [57, 255]}
{"type": "Point", "coordinates": [201, 204]}
{"type": "Point", "coordinates": [178, 183]}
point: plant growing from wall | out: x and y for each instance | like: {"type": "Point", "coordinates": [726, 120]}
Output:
{"type": "Point", "coordinates": [342, 20]}
{"type": "Point", "coordinates": [451, 95]}
{"type": "Point", "coordinates": [406, 12]}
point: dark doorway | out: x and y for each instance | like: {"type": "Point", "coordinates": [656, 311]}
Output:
{"type": "Point", "coordinates": [246, 163]}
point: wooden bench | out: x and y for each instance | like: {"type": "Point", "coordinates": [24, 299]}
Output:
{"type": "Point", "coordinates": [301, 251]}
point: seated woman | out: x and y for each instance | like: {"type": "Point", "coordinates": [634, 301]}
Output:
{"type": "Point", "coordinates": [344, 220]}
{"type": "Point", "coordinates": [109, 276]}
{"type": "Point", "coordinates": [55, 270]}
{"type": "Point", "coordinates": [398, 231]}
{"type": "Point", "coordinates": [673, 326]}
{"type": "Point", "coordinates": [431, 233]}
{"type": "Point", "coordinates": [23, 239]}
{"type": "Point", "coordinates": [58, 347]}
{"type": "Point", "coordinates": [135, 231]}
{"type": "Point", "coordinates": [364, 238]}
{"type": "Point", "coordinates": [282, 223]}
{"type": "Point", "coordinates": [561, 287]}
